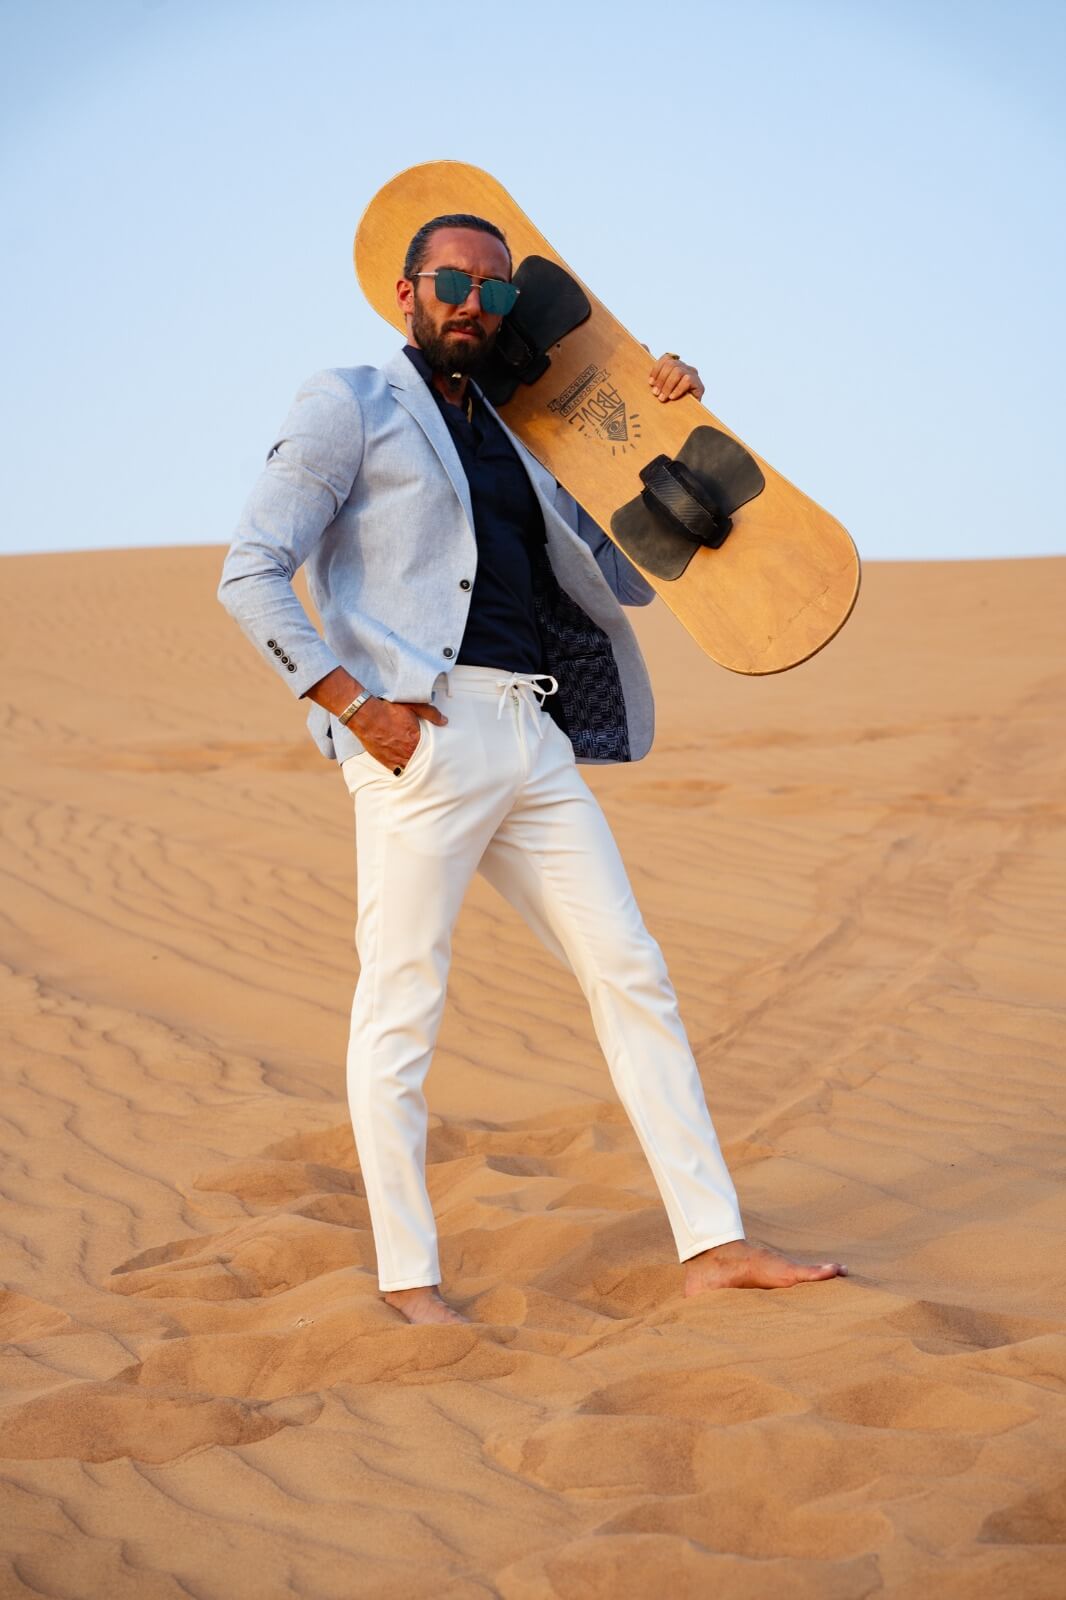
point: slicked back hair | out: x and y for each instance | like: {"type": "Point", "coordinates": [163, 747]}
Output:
{"type": "Point", "coordinates": [416, 250]}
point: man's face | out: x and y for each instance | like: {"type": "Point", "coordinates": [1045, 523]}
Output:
{"type": "Point", "coordinates": [454, 338]}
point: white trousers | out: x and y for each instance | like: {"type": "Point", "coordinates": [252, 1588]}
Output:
{"type": "Point", "coordinates": [496, 790]}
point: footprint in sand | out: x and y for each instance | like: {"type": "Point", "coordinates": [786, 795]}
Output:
{"type": "Point", "coordinates": [103, 1421]}
{"type": "Point", "coordinates": [899, 1401]}
{"type": "Point", "coordinates": [604, 1455]}
{"type": "Point", "coordinates": [719, 1396]}
{"type": "Point", "coordinates": [262, 1257]}
{"type": "Point", "coordinates": [934, 1325]}
{"type": "Point", "coordinates": [1038, 1518]}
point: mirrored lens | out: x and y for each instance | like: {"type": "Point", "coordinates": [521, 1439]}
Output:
{"type": "Point", "coordinates": [496, 297]}
{"type": "Point", "coordinates": [453, 286]}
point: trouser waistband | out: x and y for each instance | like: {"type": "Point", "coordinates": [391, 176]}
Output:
{"type": "Point", "coordinates": [526, 692]}
{"type": "Point", "coordinates": [493, 680]}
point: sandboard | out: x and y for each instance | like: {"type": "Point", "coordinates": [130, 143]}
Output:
{"type": "Point", "coordinates": [760, 575]}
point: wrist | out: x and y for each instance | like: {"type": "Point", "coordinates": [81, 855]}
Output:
{"type": "Point", "coordinates": [353, 708]}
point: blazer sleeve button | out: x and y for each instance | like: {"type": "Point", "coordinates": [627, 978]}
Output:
{"type": "Point", "coordinates": [464, 583]}
{"type": "Point", "coordinates": [448, 651]}
{"type": "Point", "coordinates": [272, 644]}
{"type": "Point", "coordinates": [292, 666]}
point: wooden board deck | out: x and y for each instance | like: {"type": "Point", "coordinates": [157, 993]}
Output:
{"type": "Point", "coordinates": [785, 580]}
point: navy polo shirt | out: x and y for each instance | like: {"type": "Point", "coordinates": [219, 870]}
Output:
{"type": "Point", "coordinates": [501, 629]}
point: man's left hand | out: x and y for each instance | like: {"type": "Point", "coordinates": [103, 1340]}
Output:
{"type": "Point", "coordinates": [671, 378]}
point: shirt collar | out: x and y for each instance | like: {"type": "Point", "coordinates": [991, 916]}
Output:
{"type": "Point", "coordinates": [419, 362]}
{"type": "Point", "coordinates": [451, 412]}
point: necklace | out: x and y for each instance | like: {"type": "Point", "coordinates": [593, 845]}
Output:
{"type": "Point", "coordinates": [467, 401]}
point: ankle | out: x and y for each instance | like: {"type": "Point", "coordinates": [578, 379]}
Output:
{"type": "Point", "coordinates": [729, 1250]}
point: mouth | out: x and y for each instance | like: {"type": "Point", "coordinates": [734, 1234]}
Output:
{"type": "Point", "coordinates": [466, 333]}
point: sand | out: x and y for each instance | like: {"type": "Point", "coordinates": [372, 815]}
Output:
{"type": "Point", "coordinates": [857, 872]}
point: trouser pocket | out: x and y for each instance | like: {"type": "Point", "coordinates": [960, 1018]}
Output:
{"type": "Point", "coordinates": [363, 767]}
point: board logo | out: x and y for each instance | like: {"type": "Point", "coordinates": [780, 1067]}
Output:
{"type": "Point", "coordinates": [595, 408]}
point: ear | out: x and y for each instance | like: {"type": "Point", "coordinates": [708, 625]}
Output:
{"type": "Point", "coordinates": [405, 296]}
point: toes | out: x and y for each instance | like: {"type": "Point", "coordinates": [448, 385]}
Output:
{"type": "Point", "coordinates": [762, 1269]}
{"type": "Point", "coordinates": [791, 1272]}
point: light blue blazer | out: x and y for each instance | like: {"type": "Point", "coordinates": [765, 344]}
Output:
{"type": "Point", "coordinates": [364, 485]}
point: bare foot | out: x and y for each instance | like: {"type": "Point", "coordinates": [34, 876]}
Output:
{"type": "Point", "coordinates": [423, 1305]}
{"type": "Point", "coordinates": [743, 1265]}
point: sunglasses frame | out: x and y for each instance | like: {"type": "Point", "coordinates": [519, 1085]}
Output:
{"type": "Point", "coordinates": [473, 281]}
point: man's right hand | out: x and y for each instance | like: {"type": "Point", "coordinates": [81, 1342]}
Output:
{"type": "Point", "coordinates": [390, 729]}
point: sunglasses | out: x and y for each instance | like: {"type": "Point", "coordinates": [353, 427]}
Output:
{"type": "Point", "coordinates": [453, 287]}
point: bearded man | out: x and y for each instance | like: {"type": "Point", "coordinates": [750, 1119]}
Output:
{"type": "Point", "coordinates": [474, 652]}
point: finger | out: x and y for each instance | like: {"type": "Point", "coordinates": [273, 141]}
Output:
{"type": "Point", "coordinates": [659, 372]}
{"type": "Point", "coordinates": [402, 752]}
{"type": "Point", "coordinates": [674, 384]}
{"type": "Point", "coordinates": [669, 384]}
{"type": "Point", "coordinates": [430, 714]}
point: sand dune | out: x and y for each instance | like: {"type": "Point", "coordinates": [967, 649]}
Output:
{"type": "Point", "coordinates": [857, 871]}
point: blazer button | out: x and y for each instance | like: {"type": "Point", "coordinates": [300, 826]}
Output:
{"type": "Point", "coordinates": [284, 661]}
{"type": "Point", "coordinates": [464, 583]}
{"type": "Point", "coordinates": [292, 666]}
{"type": "Point", "coordinates": [272, 644]}
{"type": "Point", "coordinates": [277, 649]}
{"type": "Point", "coordinates": [448, 651]}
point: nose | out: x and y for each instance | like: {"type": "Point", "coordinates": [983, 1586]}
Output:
{"type": "Point", "coordinates": [475, 289]}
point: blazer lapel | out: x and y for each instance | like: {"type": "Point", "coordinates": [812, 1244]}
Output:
{"type": "Point", "coordinates": [411, 391]}
{"type": "Point", "coordinates": [544, 487]}
{"type": "Point", "coordinates": [541, 479]}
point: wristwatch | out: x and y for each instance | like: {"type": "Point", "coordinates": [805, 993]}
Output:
{"type": "Point", "coordinates": [349, 711]}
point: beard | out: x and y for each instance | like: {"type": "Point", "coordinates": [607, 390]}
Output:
{"type": "Point", "coordinates": [444, 354]}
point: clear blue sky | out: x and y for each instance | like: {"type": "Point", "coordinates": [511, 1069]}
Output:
{"type": "Point", "coordinates": [848, 213]}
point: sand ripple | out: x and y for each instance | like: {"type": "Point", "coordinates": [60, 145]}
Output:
{"type": "Point", "coordinates": [858, 875]}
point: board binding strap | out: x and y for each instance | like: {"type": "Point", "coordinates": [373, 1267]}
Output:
{"type": "Point", "coordinates": [759, 574]}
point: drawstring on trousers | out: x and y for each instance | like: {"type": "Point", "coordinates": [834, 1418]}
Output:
{"type": "Point", "coordinates": [526, 689]}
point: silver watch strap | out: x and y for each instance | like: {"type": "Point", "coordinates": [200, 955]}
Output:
{"type": "Point", "coordinates": [349, 711]}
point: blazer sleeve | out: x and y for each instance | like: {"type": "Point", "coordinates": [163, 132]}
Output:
{"type": "Point", "coordinates": [309, 472]}
{"type": "Point", "coordinates": [627, 583]}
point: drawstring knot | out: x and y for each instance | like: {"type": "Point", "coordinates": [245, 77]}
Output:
{"type": "Point", "coordinates": [529, 690]}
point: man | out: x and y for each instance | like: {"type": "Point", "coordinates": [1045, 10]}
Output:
{"type": "Point", "coordinates": [474, 650]}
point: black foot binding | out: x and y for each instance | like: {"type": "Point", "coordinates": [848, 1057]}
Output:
{"type": "Point", "coordinates": [550, 304]}
{"type": "Point", "coordinates": [687, 502]}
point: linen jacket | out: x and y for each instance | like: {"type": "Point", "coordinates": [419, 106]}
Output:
{"type": "Point", "coordinates": [364, 485]}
